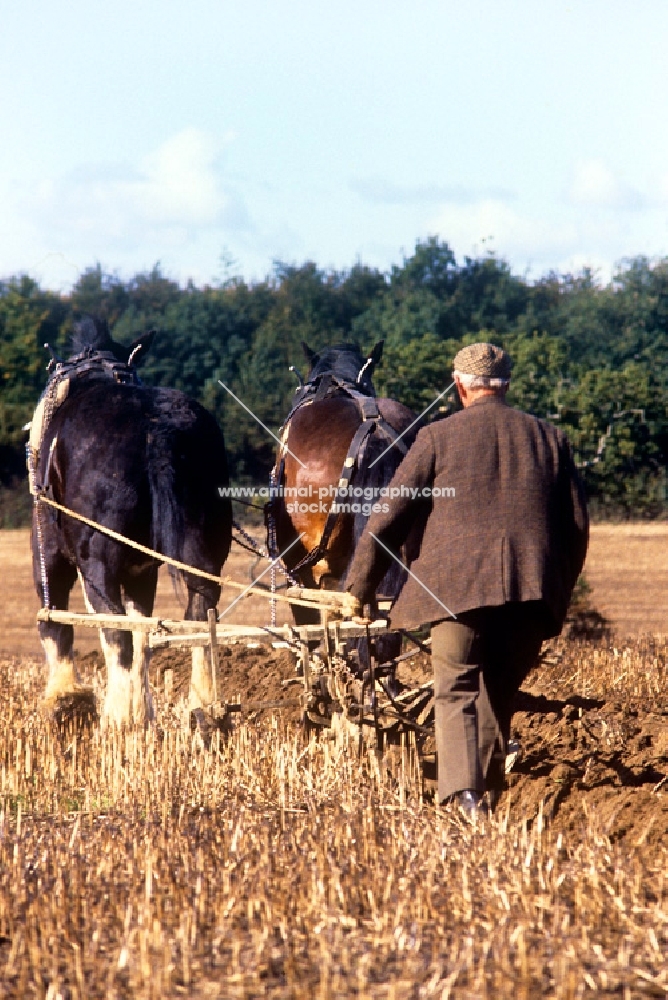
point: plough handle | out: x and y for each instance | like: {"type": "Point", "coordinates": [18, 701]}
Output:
{"type": "Point", "coordinates": [334, 600]}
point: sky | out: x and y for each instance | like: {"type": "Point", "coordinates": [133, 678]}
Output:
{"type": "Point", "coordinates": [216, 137]}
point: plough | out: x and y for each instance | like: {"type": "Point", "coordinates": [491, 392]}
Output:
{"type": "Point", "coordinates": [332, 684]}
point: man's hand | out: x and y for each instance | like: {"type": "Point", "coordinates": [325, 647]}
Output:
{"type": "Point", "coordinates": [355, 609]}
{"type": "Point", "coordinates": [360, 614]}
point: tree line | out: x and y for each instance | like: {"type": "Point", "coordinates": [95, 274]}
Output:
{"type": "Point", "coordinates": [590, 358]}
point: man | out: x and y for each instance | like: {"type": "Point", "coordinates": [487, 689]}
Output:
{"type": "Point", "coordinates": [502, 522]}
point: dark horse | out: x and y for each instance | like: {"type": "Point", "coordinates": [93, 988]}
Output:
{"type": "Point", "coordinates": [337, 434]}
{"type": "Point", "coordinates": [145, 462]}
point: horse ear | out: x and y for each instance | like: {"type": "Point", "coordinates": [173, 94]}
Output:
{"type": "Point", "coordinates": [309, 354]}
{"type": "Point", "coordinates": [377, 352]}
{"type": "Point", "coordinates": [140, 347]}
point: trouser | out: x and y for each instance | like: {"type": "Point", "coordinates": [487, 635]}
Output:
{"type": "Point", "coordinates": [480, 660]}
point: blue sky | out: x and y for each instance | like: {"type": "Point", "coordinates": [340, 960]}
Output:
{"type": "Point", "coordinates": [188, 133]}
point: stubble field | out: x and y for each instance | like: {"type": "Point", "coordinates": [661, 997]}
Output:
{"type": "Point", "coordinates": [148, 865]}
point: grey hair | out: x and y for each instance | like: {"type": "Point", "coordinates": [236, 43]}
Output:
{"type": "Point", "coordinates": [480, 381]}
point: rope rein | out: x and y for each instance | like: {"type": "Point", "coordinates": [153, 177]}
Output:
{"type": "Point", "coordinates": [116, 535]}
{"type": "Point", "coordinates": [159, 556]}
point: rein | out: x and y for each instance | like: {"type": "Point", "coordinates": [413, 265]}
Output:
{"type": "Point", "coordinates": [159, 556]}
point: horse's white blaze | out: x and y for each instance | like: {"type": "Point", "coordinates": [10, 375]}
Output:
{"type": "Point", "coordinates": [62, 675]}
{"type": "Point", "coordinates": [201, 686]}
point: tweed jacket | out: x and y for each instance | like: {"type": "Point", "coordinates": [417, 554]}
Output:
{"type": "Point", "coordinates": [510, 523]}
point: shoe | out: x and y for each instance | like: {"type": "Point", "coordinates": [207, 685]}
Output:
{"type": "Point", "coordinates": [512, 755]}
{"type": "Point", "coordinates": [470, 803]}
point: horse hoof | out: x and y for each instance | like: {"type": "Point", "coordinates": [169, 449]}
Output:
{"type": "Point", "coordinates": [206, 724]}
{"type": "Point", "coordinates": [76, 709]}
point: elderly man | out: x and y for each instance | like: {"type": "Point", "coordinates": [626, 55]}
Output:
{"type": "Point", "coordinates": [502, 521]}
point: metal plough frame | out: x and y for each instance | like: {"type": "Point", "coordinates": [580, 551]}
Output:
{"type": "Point", "coordinates": [328, 684]}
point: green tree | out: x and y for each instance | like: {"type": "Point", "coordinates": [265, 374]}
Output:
{"type": "Point", "coordinates": [29, 318]}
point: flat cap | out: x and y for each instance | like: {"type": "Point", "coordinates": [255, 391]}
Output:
{"type": "Point", "coordinates": [482, 365]}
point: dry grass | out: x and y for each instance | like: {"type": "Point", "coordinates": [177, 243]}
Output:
{"type": "Point", "coordinates": [631, 671]}
{"type": "Point", "coordinates": [145, 865]}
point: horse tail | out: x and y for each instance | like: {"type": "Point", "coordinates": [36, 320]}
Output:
{"type": "Point", "coordinates": [187, 466]}
{"type": "Point", "coordinates": [167, 518]}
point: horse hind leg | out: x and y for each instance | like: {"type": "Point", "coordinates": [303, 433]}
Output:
{"type": "Point", "coordinates": [57, 640]}
{"type": "Point", "coordinates": [139, 597]}
{"type": "Point", "coordinates": [124, 704]}
{"type": "Point", "coordinates": [201, 694]}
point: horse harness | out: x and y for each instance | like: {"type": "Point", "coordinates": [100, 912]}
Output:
{"type": "Point", "coordinates": [90, 364]}
{"type": "Point", "coordinates": [93, 365]}
{"type": "Point", "coordinates": [326, 386]}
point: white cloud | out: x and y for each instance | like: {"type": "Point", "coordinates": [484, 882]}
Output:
{"type": "Point", "coordinates": [561, 236]}
{"type": "Point", "coordinates": [174, 202]}
{"type": "Point", "coordinates": [493, 225]}
{"type": "Point", "coordinates": [594, 185]}
{"type": "Point", "coordinates": [378, 190]}
{"type": "Point", "coordinates": [175, 188]}
{"type": "Point", "coordinates": [662, 189]}
{"type": "Point", "coordinates": [179, 183]}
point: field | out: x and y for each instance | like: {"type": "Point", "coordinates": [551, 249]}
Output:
{"type": "Point", "coordinates": [148, 865]}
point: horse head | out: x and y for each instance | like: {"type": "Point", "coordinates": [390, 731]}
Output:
{"type": "Point", "coordinates": [346, 362]}
{"type": "Point", "coordinates": [91, 335]}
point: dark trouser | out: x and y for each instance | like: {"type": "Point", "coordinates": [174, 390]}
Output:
{"type": "Point", "coordinates": [480, 661]}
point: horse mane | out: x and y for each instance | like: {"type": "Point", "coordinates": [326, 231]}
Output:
{"type": "Point", "coordinates": [91, 333]}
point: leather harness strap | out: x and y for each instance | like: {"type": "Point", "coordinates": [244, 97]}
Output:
{"type": "Point", "coordinates": [349, 466]}
{"type": "Point", "coordinates": [372, 421]}
{"type": "Point", "coordinates": [324, 388]}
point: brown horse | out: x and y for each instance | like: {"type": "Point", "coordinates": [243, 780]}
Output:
{"type": "Point", "coordinates": [337, 435]}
